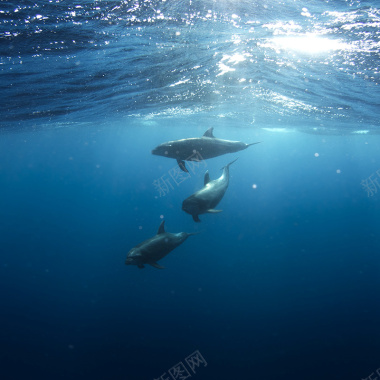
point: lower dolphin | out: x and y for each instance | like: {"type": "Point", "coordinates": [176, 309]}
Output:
{"type": "Point", "coordinates": [206, 199]}
{"type": "Point", "coordinates": [155, 248]}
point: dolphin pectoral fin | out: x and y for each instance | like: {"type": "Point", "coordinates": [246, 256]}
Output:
{"type": "Point", "coordinates": [140, 266]}
{"type": "Point", "coordinates": [207, 178]}
{"type": "Point", "coordinates": [182, 165]}
{"type": "Point", "coordinates": [209, 133]}
{"type": "Point", "coordinates": [213, 211]}
{"type": "Point", "coordinates": [196, 218]}
{"type": "Point", "coordinates": [158, 266]}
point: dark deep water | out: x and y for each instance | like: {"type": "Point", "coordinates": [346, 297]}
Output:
{"type": "Point", "coordinates": [284, 283]}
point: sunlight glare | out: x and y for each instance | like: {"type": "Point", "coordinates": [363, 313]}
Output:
{"type": "Point", "coordinates": [311, 44]}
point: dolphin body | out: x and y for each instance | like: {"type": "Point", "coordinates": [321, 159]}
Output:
{"type": "Point", "coordinates": [155, 248]}
{"type": "Point", "coordinates": [204, 200]}
{"type": "Point", "coordinates": [198, 148]}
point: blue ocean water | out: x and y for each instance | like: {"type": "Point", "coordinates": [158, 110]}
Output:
{"type": "Point", "coordinates": [284, 283]}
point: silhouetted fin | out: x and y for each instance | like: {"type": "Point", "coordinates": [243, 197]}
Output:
{"type": "Point", "coordinates": [161, 229]}
{"type": "Point", "coordinates": [209, 133]}
{"type": "Point", "coordinates": [141, 266]}
{"type": "Point", "coordinates": [158, 266]}
{"type": "Point", "coordinates": [207, 178]}
{"type": "Point", "coordinates": [232, 162]}
{"type": "Point", "coordinates": [196, 218]}
{"type": "Point", "coordinates": [228, 165]}
{"type": "Point", "coordinates": [182, 166]}
{"type": "Point", "coordinates": [193, 233]}
{"type": "Point", "coordinates": [213, 211]}
{"type": "Point", "coordinates": [254, 143]}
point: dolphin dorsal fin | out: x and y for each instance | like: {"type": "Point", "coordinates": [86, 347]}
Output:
{"type": "Point", "coordinates": [207, 178]}
{"type": "Point", "coordinates": [161, 229]}
{"type": "Point", "coordinates": [209, 133]}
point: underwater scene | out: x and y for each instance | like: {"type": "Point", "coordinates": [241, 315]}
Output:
{"type": "Point", "coordinates": [190, 189]}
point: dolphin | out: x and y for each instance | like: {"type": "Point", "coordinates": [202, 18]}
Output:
{"type": "Point", "coordinates": [155, 248]}
{"type": "Point", "coordinates": [198, 148]}
{"type": "Point", "coordinates": [209, 196]}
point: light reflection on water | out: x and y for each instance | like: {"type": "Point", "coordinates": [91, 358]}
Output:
{"type": "Point", "coordinates": [311, 44]}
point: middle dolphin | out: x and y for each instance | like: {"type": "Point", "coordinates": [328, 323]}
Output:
{"type": "Point", "coordinates": [209, 196]}
{"type": "Point", "coordinates": [198, 148]}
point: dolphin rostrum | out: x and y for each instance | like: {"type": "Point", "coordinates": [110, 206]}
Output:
{"type": "Point", "coordinates": [198, 148]}
{"type": "Point", "coordinates": [205, 199]}
{"type": "Point", "coordinates": [155, 248]}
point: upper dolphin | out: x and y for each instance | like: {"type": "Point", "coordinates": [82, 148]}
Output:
{"type": "Point", "coordinates": [198, 148]}
{"type": "Point", "coordinates": [155, 248]}
{"type": "Point", "coordinates": [205, 199]}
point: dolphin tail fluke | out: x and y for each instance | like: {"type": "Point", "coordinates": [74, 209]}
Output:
{"type": "Point", "coordinates": [192, 233]}
{"type": "Point", "coordinates": [254, 143]}
{"type": "Point", "coordinates": [228, 165]}
{"type": "Point", "coordinates": [182, 165]}
{"type": "Point", "coordinates": [158, 266]}
{"type": "Point", "coordinates": [232, 162]}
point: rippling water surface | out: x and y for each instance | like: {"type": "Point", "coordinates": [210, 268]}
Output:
{"type": "Point", "coordinates": [311, 64]}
